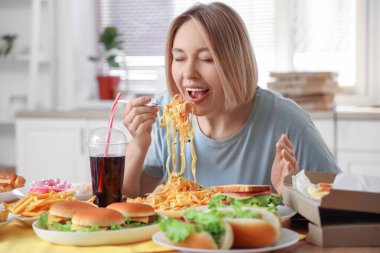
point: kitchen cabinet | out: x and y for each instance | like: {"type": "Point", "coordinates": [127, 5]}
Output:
{"type": "Point", "coordinates": [327, 130]}
{"type": "Point", "coordinates": [51, 148]}
{"type": "Point", "coordinates": [56, 147]}
{"type": "Point", "coordinates": [54, 144]}
{"type": "Point", "coordinates": [358, 146]}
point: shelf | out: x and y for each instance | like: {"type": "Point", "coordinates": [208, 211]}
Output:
{"type": "Point", "coordinates": [43, 58]}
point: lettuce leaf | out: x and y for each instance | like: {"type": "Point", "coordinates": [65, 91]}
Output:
{"type": "Point", "coordinates": [43, 220]}
{"type": "Point", "coordinates": [176, 230]}
{"type": "Point", "coordinates": [211, 222]}
{"type": "Point", "coordinates": [60, 227]}
{"type": "Point", "coordinates": [268, 200]}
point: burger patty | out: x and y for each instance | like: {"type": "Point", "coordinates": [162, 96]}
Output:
{"type": "Point", "coordinates": [146, 219]}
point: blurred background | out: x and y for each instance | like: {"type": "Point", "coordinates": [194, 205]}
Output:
{"type": "Point", "coordinates": [63, 61]}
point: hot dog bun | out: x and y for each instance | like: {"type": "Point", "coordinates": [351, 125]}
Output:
{"type": "Point", "coordinates": [203, 240]}
{"type": "Point", "coordinates": [255, 232]}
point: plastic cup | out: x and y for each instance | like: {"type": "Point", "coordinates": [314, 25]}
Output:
{"type": "Point", "coordinates": [107, 172]}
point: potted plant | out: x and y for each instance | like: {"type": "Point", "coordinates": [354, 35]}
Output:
{"type": "Point", "coordinates": [109, 61]}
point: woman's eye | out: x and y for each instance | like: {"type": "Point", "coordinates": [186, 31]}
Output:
{"type": "Point", "coordinates": [178, 59]}
{"type": "Point", "coordinates": [207, 59]}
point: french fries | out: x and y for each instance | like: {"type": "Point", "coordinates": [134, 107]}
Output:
{"type": "Point", "coordinates": [33, 204]}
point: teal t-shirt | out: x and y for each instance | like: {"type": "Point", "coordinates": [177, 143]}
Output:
{"type": "Point", "coordinates": [247, 156]}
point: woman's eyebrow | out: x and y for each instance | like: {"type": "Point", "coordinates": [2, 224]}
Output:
{"type": "Point", "coordinates": [178, 50]}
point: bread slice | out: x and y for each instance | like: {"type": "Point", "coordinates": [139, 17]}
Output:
{"type": "Point", "coordinates": [237, 188]}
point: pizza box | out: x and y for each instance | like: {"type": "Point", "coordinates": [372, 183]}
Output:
{"type": "Point", "coordinates": [339, 206]}
{"type": "Point", "coordinates": [344, 235]}
{"type": "Point", "coordinates": [341, 219]}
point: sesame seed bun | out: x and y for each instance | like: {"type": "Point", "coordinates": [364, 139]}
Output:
{"type": "Point", "coordinates": [132, 209]}
{"type": "Point", "coordinates": [102, 217]}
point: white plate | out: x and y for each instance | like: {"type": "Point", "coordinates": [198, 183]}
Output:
{"type": "Point", "coordinates": [287, 238]}
{"type": "Point", "coordinates": [15, 194]}
{"type": "Point", "coordinates": [285, 213]}
{"type": "Point", "coordinates": [112, 237]}
{"type": "Point", "coordinates": [26, 221]}
{"type": "Point", "coordinates": [20, 193]}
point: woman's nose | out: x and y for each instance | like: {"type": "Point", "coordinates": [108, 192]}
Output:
{"type": "Point", "coordinates": [190, 70]}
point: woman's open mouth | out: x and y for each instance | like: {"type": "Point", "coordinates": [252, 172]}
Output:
{"type": "Point", "coordinates": [197, 94]}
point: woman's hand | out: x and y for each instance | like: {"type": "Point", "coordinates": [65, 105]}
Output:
{"type": "Point", "coordinates": [284, 162]}
{"type": "Point", "coordinates": [138, 119]}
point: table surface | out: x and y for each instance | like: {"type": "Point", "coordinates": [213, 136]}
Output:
{"type": "Point", "coordinates": [15, 237]}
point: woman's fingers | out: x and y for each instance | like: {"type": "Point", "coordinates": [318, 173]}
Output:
{"type": "Point", "coordinates": [289, 157]}
{"type": "Point", "coordinates": [286, 141]}
{"type": "Point", "coordinates": [145, 126]}
{"type": "Point", "coordinates": [140, 119]}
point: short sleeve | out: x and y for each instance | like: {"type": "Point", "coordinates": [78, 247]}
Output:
{"type": "Point", "coordinates": [312, 152]}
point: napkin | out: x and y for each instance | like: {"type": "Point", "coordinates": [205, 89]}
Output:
{"type": "Point", "coordinates": [301, 182]}
{"type": "Point", "coordinates": [355, 182]}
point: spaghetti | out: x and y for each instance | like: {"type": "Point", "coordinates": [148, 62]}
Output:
{"type": "Point", "coordinates": [176, 118]}
{"type": "Point", "coordinates": [178, 193]}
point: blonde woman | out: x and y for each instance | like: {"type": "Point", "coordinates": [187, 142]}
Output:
{"type": "Point", "coordinates": [243, 134]}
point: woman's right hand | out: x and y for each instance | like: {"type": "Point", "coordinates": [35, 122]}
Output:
{"type": "Point", "coordinates": [138, 119]}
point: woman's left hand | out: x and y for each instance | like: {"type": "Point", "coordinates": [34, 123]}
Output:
{"type": "Point", "coordinates": [284, 162]}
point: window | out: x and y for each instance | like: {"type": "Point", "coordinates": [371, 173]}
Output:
{"type": "Point", "coordinates": [287, 35]}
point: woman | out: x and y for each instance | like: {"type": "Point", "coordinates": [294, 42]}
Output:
{"type": "Point", "coordinates": [241, 130]}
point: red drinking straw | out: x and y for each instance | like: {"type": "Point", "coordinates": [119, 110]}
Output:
{"type": "Point", "coordinates": [112, 113]}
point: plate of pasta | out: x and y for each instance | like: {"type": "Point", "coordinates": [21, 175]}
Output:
{"type": "Point", "coordinates": [178, 193]}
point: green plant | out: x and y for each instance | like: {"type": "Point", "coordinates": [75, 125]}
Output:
{"type": "Point", "coordinates": [8, 41]}
{"type": "Point", "coordinates": [110, 39]}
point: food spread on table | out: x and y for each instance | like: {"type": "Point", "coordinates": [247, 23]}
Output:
{"type": "Point", "coordinates": [231, 216]}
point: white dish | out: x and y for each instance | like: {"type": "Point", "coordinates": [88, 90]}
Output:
{"type": "Point", "coordinates": [15, 194]}
{"type": "Point", "coordinates": [285, 213]}
{"type": "Point", "coordinates": [111, 237]}
{"type": "Point", "coordinates": [26, 221]}
{"type": "Point", "coordinates": [287, 238]}
{"type": "Point", "coordinates": [20, 193]}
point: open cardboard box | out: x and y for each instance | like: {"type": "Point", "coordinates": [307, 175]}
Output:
{"type": "Point", "coordinates": [341, 218]}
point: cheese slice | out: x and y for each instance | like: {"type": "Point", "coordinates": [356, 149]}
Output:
{"type": "Point", "coordinates": [52, 218]}
{"type": "Point", "coordinates": [141, 219]}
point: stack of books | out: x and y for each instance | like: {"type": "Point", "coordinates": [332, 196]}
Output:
{"type": "Point", "coordinates": [311, 90]}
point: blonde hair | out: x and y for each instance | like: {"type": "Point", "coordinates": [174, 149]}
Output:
{"type": "Point", "coordinates": [229, 46]}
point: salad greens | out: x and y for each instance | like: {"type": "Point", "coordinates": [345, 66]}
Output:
{"type": "Point", "coordinates": [211, 222]}
{"type": "Point", "coordinates": [222, 200]}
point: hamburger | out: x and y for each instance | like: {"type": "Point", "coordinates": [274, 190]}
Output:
{"type": "Point", "coordinates": [199, 229]}
{"type": "Point", "coordinates": [252, 226]}
{"type": "Point", "coordinates": [95, 219]}
{"type": "Point", "coordinates": [136, 214]}
{"type": "Point", "coordinates": [244, 195]}
{"type": "Point", "coordinates": [61, 213]}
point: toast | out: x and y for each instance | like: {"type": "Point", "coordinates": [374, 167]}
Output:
{"type": "Point", "coordinates": [242, 188]}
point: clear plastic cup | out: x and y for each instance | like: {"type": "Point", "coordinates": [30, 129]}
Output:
{"type": "Point", "coordinates": [107, 167]}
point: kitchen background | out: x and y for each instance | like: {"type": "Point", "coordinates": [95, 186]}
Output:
{"type": "Point", "coordinates": [49, 97]}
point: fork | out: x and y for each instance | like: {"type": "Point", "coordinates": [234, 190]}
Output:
{"type": "Point", "coordinates": [150, 104]}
